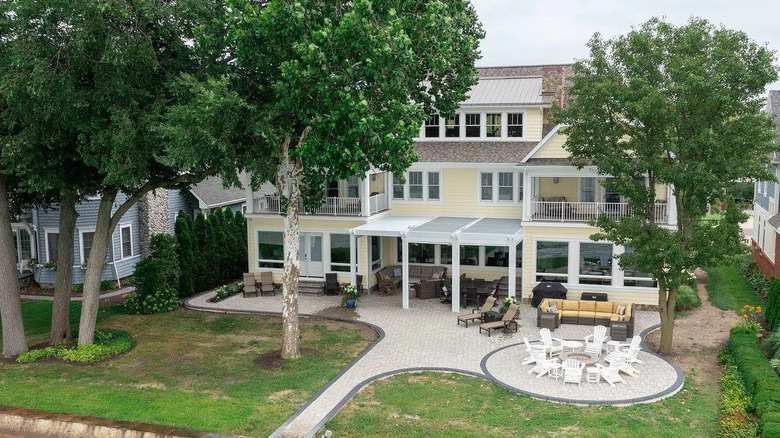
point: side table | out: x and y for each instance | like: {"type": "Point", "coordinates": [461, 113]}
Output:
{"type": "Point", "coordinates": [611, 346]}
{"type": "Point", "coordinates": [548, 321]}
{"type": "Point", "coordinates": [618, 330]}
{"type": "Point", "coordinates": [492, 316]}
{"type": "Point", "coordinates": [593, 375]}
{"type": "Point", "coordinates": [555, 370]}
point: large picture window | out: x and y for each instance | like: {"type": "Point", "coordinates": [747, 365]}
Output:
{"type": "Point", "coordinates": [497, 256]}
{"type": "Point", "coordinates": [552, 261]}
{"type": "Point", "coordinates": [339, 252]}
{"type": "Point", "coordinates": [469, 255]}
{"type": "Point", "coordinates": [423, 253]}
{"type": "Point", "coordinates": [596, 263]}
{"type": "Point", "coordinates": [445, 254]}
{"type": "Point", "coordinates": [270, 249]}
{"type": "Point", "coordinates": [633, 277]}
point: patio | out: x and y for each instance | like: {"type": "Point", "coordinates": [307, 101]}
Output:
{"type": "Point", "coordinates": [426, 337]}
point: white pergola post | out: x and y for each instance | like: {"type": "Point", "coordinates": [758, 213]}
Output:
{"type": "Point", "coordinates": [405, 269]}
{"type": "Point", "coordinates": [364, 201]}
{"type": "Point", "coordinates": [527, 194]}
{"type": "Point", "coordinates": [455, 276]}
{"type": "Point", "coordinates": [250, 196]}
{"type": "Point", "coordinates": [512, 267]}
{"type": "Point", "coordinates": [352, 258]}
{"type": "Point", "coordinates": [522, 283]}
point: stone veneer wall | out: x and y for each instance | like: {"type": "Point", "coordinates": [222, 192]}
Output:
{"type": "Point", "coordinates": [152, 217]}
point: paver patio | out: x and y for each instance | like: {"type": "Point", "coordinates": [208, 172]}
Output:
{"type": "Point", "coordinates": [426, 337]}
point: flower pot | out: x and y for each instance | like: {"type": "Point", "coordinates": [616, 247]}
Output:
{"type": "Point", "coordinates": [351, 304]}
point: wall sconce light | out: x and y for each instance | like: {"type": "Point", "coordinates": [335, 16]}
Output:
{"type": "Point", "coordinates": [556, 180]}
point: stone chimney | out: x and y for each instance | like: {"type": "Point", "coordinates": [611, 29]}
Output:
{"type": "Point", "coordinates": [153, 217]}
{"type": "Point", "coordinates": [553, 83]}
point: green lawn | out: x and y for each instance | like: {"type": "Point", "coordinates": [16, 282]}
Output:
{"type": "Point", "coordinates": [451, 405]}
{"type": "Point", "coordinates": [187, 369]}
{"type": "Point", "coordinates": [728, 289]}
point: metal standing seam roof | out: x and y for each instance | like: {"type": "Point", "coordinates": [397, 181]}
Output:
{"type": "Point", "coordinates": [506, 91]}
{"type": "Point", "coordinates": [442, 229]}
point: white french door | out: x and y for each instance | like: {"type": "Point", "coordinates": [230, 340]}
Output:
{"type": "Point", "coordinates": [311, 255]}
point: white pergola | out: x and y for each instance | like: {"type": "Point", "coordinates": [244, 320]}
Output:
{"type": "Point", "coordinates": [444, 230]}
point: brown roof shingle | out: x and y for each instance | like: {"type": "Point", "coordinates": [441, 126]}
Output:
{"type": "Point", "coordinates": [473, 152]}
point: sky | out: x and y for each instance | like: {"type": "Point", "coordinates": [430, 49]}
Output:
{"type": "Point", "coordinates": [522, 32]}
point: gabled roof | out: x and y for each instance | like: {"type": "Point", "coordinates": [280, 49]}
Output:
{"type": "Point", "coordinates": [541, 144]}
{"type": "Point", "coordinates": [212, 193]}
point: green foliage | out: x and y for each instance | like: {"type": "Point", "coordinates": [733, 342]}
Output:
{"type": "Point", "coordinates": [773, 304]}
{"type": "Point", "coordinates": [108, 343]}
{"type": "Point", "coordinates": [741, 192]}
{"type": "Point", "coordinates": [761, 381]}
{"type": "Point", "coordinates": [772, 344]}
{"type": "Point", "coordinates": [687, 299]}
{"type": "Point", "coordinates": [156, 278]}
{"type": "Point", "coordinates": [735, 406]}
{"type": "Point", "coordinates": [228, 290]}
{"type": "Point", "coordinates": [728, 289]}
{"type": "Point", "coordinates": [104, 286]}
{"type": "Point", "coordinates": [350, 293]}
{"type": "Point", "coordinates": [186, 256]}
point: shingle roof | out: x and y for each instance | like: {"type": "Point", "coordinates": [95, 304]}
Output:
{"type": "Point", "coordinates": [212, 192]}
{"type": "Point", "coordinates": [473, 152]}
{"type": "Point", "coordinates": [775, 221]}
{"type": "Point", "coordinates": [507, 91]}
{"type": "Point", "coordinates": [551, 162]}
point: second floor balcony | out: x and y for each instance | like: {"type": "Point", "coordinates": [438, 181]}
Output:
{"type": "Point", "coordinates": [354, 198]}
{"type": "Point", "coordinates": [566, 211]}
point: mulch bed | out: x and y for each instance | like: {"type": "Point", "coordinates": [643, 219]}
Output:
{"type": "Point", "coordinates": [338, 312]}
{"type": "Point", "coordinates": [273, 360]}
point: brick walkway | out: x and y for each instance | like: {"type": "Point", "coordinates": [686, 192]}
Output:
{"type": "Point", "coordinates": [426, 337]}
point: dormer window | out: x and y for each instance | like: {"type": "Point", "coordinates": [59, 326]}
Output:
{"type": "Point", "coordinates": [514, 125]}
{"type": "Point", "coordinates": [432, 127]}
{"type": "Point", "coordinates": [473, 125]}
{"type": "Point", "coordinates": [493, 125]}
{"type": "Point", "coordinates": [452, 126]}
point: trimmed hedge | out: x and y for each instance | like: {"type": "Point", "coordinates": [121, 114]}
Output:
{"type": "Point", "coordinates": [761, 381]}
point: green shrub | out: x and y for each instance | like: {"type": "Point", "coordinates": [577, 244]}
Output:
{"type": "Point", "coordinates": [770, 430]}
{"type": "Point", "coordinates": [758, 282]}
{"type": "Point", "coordinates": [104, 286]}
{"type": "Point", "coordinates": [747, 326]}
{"type": "Point", "coordinates": [772, 345]}
{"type": "Point", "coordinates": [228, 290]}
{"type": "Point", "coordinates": [107, 343]}
{"type": "Point", "coordinates": [687, 299]}
{"type": "Point", "coordinates": [773, 304]}
{"type": "Point", "coordinates": [156, 279]}
{"type": "Point", "coordinates": [760, 379]}
{"type": "Point", "coordinates": [746, 263]}
{"type": "Point", "coordinates": [735, 404]}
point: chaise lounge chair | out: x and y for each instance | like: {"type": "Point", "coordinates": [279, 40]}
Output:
{"type": "Point", "coordinates": [506, 322]}
{"type": "Point", "coordinates": [477, 314]}
{"type": "Point", "coordinates": [250, 288]}
{"type": "Point", "coordinates": [267, 285]}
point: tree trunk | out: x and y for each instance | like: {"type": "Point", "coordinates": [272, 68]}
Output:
{"type": "Point", "coordinates": [94, 273]}
{"type": "Point", "coordinates": [666, 302]}
{"type": "Point", "coordinates": [14, 342]}
{"type": "Point", "coordinates": [288, 179]}
{"type": "Point", "coordinates": [60, 314]}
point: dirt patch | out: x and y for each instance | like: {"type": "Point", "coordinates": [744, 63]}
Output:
{"type": "Point", "coordinates": [339, 312]}
{"type": "Point", "coordinates": [273, 360]}
{"type": "Point", "coordinates": [279, 395]}
{"type": "Point", "coordinates": [699, 336]}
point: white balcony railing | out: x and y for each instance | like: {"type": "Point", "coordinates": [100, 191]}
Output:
{"type": "Point", "coordinates": [586, 211]}
{"type": "Point", "coordinates": [333, 206]}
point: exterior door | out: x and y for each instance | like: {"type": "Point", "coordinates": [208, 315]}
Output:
{"type": "Point", "coordinates": [311, 255]}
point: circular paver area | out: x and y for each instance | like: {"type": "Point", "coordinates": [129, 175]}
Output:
{"type": "Point", "coordinates": [657, 379]}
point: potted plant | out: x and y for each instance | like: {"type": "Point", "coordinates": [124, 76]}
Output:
{"type": "Point", "coordinates": [507, 302]}
{"type": "Point", "coordinates": [350, 297]}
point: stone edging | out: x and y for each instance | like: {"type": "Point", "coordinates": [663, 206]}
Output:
{"type": "Point", "coordinates": [677, 386]}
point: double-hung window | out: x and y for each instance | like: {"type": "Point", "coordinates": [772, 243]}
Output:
{"type": "Point", "coordinates": [353, 187]}
{"type": "Point", "coordinates": [52, 246]}
{"type": "Point", "coordinates": [433, 185]}
{"type": "Point", "coordinates": [473, 125]}
{"type": "Point", "coordinates": [514, 125]}
{"type": "Point", "coordinates": [486, 186]}
{"type": "Point", "coordinates": [452, 126]}
{"type": "Point", "coordinates": [415, 185]}
{"type": "Point", "coordinates": [432, 127]}
{"type": "Point", "coordinates": [126, 240]}
{"type": "Point", "coordinates": [398, 187]}
{"type": "Point", "coordinates": [86, 245]}
{"type": "Point", "coordinates": [493, 125]}
{"type": "Point", "coordinates": [506, 186]}
{"type": "Point", "coordinates": [588, 189]}
{"type": "Point", "coordinates": [520, 187]}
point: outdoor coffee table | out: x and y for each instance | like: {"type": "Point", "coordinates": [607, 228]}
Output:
{"type": "Point", "coordinates": [572, 345]}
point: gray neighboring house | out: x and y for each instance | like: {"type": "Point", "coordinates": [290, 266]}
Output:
{"type": "Point", "coordinates": [212, 194]}
{"type": "Point", "coordinates": [766, 207]}
{"type": "Point", "coordinates": [36, 235]}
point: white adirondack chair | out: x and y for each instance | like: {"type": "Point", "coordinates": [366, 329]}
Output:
{"type": "Point", "coordinates": [631, 350]}
{"type": "Point", "coordinates": [611, 373]}
{"type": "Point", "coordinates": [553, 346]}
{"type": "Point", "coordinates": [532, 349]}
{"type": "Point", "coordinates": [543, 364]}
{"type": "Point", "coordinates": [595, 342]}
{"type": "Point", "coordinates": [572, 371]}
{"type": "Point", "coordinates": [627, 368]}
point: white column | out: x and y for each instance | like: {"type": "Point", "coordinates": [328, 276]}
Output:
{"type": "Point", "coordinates": [574, 263]}
{"type": "Point", "coordinates": [250, 198]}
{"type": "Point", "coordinates": [671, 205]}
{"type": "Point", "coordinates": [368, 269]}
{"type": "Point", "coordinates": [617, 273]}
{"type": "Point", "coordinates": [455, 276]}
{"type": "Point", "coordinates": [523, 292]}
{"type": "Point", "coordinates": [512, 267]}
{"type": "Point", "coordinates": [527, 194]}
{"type": "Point", "coordinates": [364, 202]}
{"type": "Point", "coordinates": [353, 259]}
{"type": "Point", "coordinates": [326, 252]}
{"type": "Point", "coordinates": [405, 269]}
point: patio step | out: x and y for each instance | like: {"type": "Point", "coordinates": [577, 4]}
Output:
{"type": "Point", "coordinates": [310, 287]}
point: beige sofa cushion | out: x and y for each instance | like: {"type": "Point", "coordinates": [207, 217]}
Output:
{"type": "Point", "coordinates": [586, 314]}
{"type": "Point", "coordinates": [604, 315]}
{"type": "Point", "coordinates": [603, 307]}
{"type": "Point", "coordinates": [570, 305]}
{"type": "Point", "coordinates": [588, 306]}
{"type": "Point", "coordinates": [567, 313]}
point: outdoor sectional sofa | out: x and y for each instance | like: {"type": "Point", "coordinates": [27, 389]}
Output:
{"type": "Point", "coordinates": [588, 313]}
{"type": "Point", "coordinates": [391, 276]}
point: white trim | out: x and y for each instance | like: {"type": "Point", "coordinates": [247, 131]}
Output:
{"type": "Point", "coordinates": [121, 242]}
{"type": "Point", "coordinates": [81, 242]}
{"type": "Point", "coordinates": [483, 111]}
{"type": "Point", "coordinates": [541, 144]}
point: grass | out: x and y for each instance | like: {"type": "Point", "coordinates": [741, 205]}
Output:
{"type": "Point", "coordinates": [187, 369]}
{"type": "Point", "coordinates": [729, 290]}
{"type": "Point", "coordinates": [452, 405]}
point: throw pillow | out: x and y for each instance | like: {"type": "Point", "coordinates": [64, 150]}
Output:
{"type": "Point", "coordinates": [435, 276]}
{"type": "Point", "coordinates": [396, 272]}
{"type": "Point", "coordinates": [621, 317]}
{"type": "Point", "coordinates": [383, 276]}
{"type": "Point", "coordinates": [621, 310]}
{"type": "Point", "coordinates": [553, 308]}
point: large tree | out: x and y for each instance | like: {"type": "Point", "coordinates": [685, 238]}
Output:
{"type": "Point", "coordinates": [329, 90]}
{"type": "Point", "coordinates": [676, 105]}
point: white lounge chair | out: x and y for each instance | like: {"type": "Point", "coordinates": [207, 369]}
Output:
{"type": "Point", "coordinates": [595, 342]}
{"type": "Point", "coordinates": [611, 373]}
{"type": "Point", "coordinates": [553, 346]}
{"type": "Point", "coordinates": [572, 371]}
{"type": "Point", "coordinates": [631, 350]}
{"type": "Point", "coordinates": [531, 349]}
{"type": "Point", "coordinates": [627, 368]}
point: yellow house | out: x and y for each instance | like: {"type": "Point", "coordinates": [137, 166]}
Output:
{"type": "Point", "coordinates": [492, 197]}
